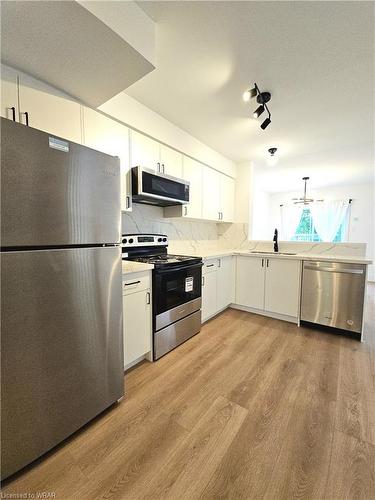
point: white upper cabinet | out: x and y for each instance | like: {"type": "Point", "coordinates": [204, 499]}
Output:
{"type": "Point", "coordinates": [9, 93]}
{"type": "Point", "coordinates": [282, 286]}
{"type": "Point", "coordinates": [218, 196]}
{"type": "Point", "coordinates": [170, 161]}
{"type": "Point", "coordinates": [227, 187]}
{"type": "Point", "coordinates": [250, 282]}
{"type": "Point", "coordinates": [192, 172]}
{"type": "Point", "coordinates": [54, 114]}
{"type": "Point", "coordinates": [211, 194]}
{"type": "Point", "coordinates": [111, 137]}
{"type": "Point", "coordinates": [144, 152]}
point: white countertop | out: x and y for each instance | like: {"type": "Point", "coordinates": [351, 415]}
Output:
{"type": "Point", "coordinates": [214, 254]}
{"type": "Point", "coordinates": [129, 266]}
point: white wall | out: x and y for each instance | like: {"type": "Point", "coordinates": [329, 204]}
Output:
{"type": "Point", "coordinates": [362, 215]}
{"type": "Point", "coordinates": [136, 115]}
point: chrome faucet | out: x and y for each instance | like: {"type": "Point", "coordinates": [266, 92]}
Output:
{"type": "Point", "coordinates": [275, 242]}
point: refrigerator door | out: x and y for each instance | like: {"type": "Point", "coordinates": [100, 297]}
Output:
{"type": "Point", "coordinates": [62, 346]}
{"type": "Point", "coordinates": [55, 192]}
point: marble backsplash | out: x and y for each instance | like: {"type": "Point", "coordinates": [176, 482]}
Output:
{"type": "Point", "coordinates": [184, 235]}
{"type": "Point", "coordinates": [194, 236]}
{"type": "Point", "coordinates": [235, 236]}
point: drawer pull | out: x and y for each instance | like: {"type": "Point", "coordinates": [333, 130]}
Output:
{"type": "Point", "coordinates": [148, 298]}
{"type": "Point", "coordinates": [132, 283]}
{"type": "Point", "coordinates": [210, 265]}
{"type": "Point", "coordinates": [13, 113]}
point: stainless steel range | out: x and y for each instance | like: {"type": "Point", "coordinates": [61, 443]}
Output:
{"type": "Point", "coordinates": [176, 289]}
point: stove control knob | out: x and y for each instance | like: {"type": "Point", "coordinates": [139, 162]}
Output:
{"type": "Point", "coordinates": [160, 239]}
{"type": "Point", "coordinates": [124, 240]}
{"type": "Point", "coordinates": [131, 240]}
{"type": "Point", "coordinates": [164, 239]}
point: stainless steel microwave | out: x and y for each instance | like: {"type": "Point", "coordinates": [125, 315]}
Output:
{"type": "Point", "coordinates": [155, 188]}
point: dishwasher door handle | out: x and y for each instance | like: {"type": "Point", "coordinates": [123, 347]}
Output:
{"type": "Point", "coordinates": [334, 270]}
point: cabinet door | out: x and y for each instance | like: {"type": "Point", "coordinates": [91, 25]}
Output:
{"type": "Point", "coordinates": [211, 194]}
{"type": "Point", "coordinates": [48, 111]}
{"type": "Point", "coordinates": [137, 325]}
{"type": "Point", "coordinates": [227, 186]}
{"type": "Point", "coordinates": [171, 161]}
{"type": "Point", "coordinates": [192, 172]}
{"type": "Point", "coordinates": [282, 286]}
{"type": "Point", "coordinates": [111, 137]}
{"type": "Point", "coordinates": [225, 282]}
{"type": "Point", "coordinates": [250, 277]}
{"type": "Point", "coordinates": [9, 93]}
{"type": "Point", "coordinates": [144, 151]}
{"type": "Point", "coordinates": [209, 295]}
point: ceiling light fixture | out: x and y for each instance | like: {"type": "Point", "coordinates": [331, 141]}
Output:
{"type": "Point", "coordinates": [258, 111]}
{"type": "Point", "coordinates": [272, 151]}
{"type": "Point", "coordinates": [265, 124]}
{"type": "Point", "coordinates": [249, 93]}
{"type": "Point", "coordinates": [262, 99]}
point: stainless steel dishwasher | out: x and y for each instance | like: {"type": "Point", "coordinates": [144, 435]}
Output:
{"type": "Point", "coordinates": [333, 294]}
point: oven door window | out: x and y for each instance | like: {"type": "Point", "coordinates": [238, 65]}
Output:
{"type": "Point", "coordinates": [160, 186]}
{"type": "Point", "coordinates": [176, 287]}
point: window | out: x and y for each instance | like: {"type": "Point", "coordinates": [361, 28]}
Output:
{"type": "Point", "coordinates": [306, 231]}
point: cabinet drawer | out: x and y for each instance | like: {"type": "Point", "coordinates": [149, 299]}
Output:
{"type": "Point", "coordinates": [135, 283]}
{"type": "Point", "coordinates": [210, 265]}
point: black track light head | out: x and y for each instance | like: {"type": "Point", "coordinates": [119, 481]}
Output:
{"type": "Point", "coordinates": [265, 124]}
{"type": "Point", "coordinates": [258, 111]}
{"type": "Point", "coordinates": [272, 151]}
{"type": "Point", "coordinates": [249, 93]}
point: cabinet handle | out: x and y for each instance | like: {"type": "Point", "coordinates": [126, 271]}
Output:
{"type": "Point", "coordinates": [132, 283]}
{"type": "Point", "coordinates": [185, 210]}
{"type": "Point", "coordinates": [219, 262]}
{"type": "Point", "coordinates": [27, 117]}
{"type": "Point", "coordinates": [210, 265]}
{"type": "Point", "coordinates": [148, 298]}
{"type": "Point", "coordinates": [221, 215]}
{"type": "Point", "coordinates": [202, 280]}
{"type": "Point", "coordinates": [13, 113]}
{"type": "Point", "coordinates": [128, 202]}
{"type": "Point", "coordinates": [268, 262]}
{"type": "Point", "coordinates": [158, 167]}
{"type": "Point", "coordinates": [163, 168]}
{"type": "Point", "coordinates": [262, 262]}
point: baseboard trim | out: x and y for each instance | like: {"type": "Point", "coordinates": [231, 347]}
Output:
{"type": "Point", "coordinates": [282, 317]}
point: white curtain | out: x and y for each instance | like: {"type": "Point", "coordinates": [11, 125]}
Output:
{"type": "Point", "coordinates": [290, 218]}
{"type": "Point", "coordinates": [328, 216]}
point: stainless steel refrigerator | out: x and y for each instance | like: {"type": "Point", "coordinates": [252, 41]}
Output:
{"type": "Point", "coordinates": [61, 299]}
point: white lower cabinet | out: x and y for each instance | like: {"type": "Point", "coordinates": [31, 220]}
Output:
{"type": "Point", "coordinates": [268, 284]}
{"type": "Point", "coordinates": [209, 295]}
{"type": "Point", "coordinates": [217, 285]}
{"type": "Point", "coordinates": [225, 282]}
{"type": "Point", "coordinates": [282, 286]}
{"type": "Point", "coordinates": [137, 317]}
{"type": "Point", "coordinates": [250, 282]}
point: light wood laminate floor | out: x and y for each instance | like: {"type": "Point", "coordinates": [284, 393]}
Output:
{"type": "Point", "coordinates": [251, 408]}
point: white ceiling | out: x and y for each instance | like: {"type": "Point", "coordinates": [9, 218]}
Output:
{"type": "Point", "coordinates": [316, 58]}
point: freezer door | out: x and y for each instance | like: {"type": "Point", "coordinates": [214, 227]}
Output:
{"type": "Point", "coordinates": [56, 192]}
{"type": "Point", "coordinates": [61, 346]}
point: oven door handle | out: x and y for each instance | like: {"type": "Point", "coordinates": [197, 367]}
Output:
{"type": "Point", "coordinates": [179, 268]}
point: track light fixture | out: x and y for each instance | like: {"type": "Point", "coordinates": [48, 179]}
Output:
{"type": "Point", "coordinates": [249, 93]}
{"type": "Point", "coordinates": [262, 99]}
{"type": "Point", "coordinates": [265, 124]}
{"type": "Point", "coordinates": [258, 111]}
{"type": "Point", "coordinates": [272, 151]}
